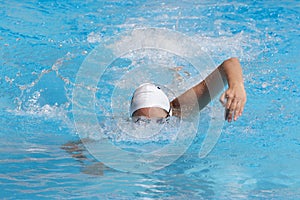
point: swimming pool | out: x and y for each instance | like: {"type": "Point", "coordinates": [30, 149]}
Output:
{"type": "Point", "coordinates": [43, 45]}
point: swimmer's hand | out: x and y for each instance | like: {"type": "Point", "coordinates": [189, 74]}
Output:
{"type": "Point", "coordinates": [234, 99]}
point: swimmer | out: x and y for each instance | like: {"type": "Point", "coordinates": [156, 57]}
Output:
{"type": "Point", "coordinates": [150, 101]}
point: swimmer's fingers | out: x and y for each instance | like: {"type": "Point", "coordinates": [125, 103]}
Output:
{"type": "Point", "coordinates": [226, 99]}
{"type": "Point", "coordinates": [230, 116]}
{"type": "Point", "coordinates": [233, 109]}
{"type": "Point", "coordinates": [240, 108]}
{"type": "Point", "coordinates": [230, 97]}
{"type": "Point", "coordinates": [237, 110]}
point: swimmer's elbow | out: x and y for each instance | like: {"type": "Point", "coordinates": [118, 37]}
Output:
{"type": "Point", "coordinates": [232, 60]}
{"type": "Point", "coordinates": [231, 64]}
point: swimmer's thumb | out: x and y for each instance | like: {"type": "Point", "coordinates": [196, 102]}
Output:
{"type": "Point", "coordinates": [222, 99]}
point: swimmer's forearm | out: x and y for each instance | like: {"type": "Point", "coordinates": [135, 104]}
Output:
{"type": "Point", "coordinates": [201, 94]}
{"type": "Point", "coordinates": [231, 74]}
{"type": "Point", "coordinates": [231, 70]}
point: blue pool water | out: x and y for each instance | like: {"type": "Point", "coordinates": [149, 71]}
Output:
{"type": "Point", "coordinates": [42, 46]}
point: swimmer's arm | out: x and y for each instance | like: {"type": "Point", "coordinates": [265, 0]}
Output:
{"type": "Point", "coordinates": [231, 74]}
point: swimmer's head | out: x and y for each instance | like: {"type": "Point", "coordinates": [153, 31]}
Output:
{"type": "Point", "coordinates": [149, 101]}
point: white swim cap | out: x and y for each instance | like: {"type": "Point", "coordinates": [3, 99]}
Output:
{"type": "Point", "coordinates": [148, 95]}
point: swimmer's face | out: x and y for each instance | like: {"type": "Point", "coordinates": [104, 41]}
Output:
{"type": "Point", "coordinates": [152, 112]}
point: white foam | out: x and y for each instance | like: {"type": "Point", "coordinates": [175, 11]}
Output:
{"type": "Point", "coordinates": [94, 37]}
